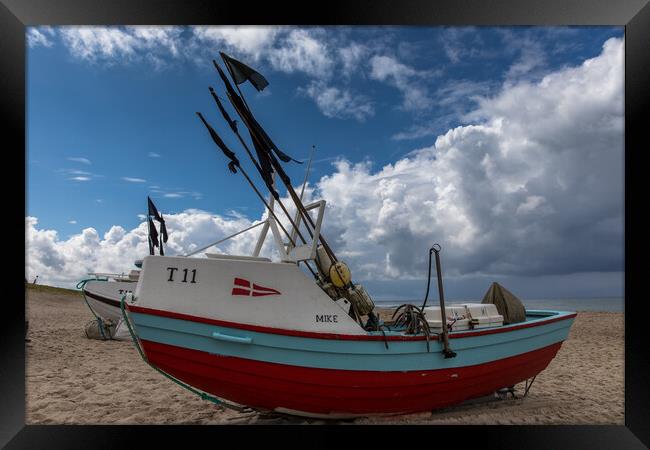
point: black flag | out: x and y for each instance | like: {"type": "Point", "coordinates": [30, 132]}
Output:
{"type": "Point", "coordinates": [163, 229]}
{"type": "Point", "coordinates": [241, 72]}
{"type": "Point", "coordinates": [234, 162]}
{"type": "Point", "coordinates": [224, 113]}
{"type": "Point", "coordinates": [265, 165]}
{"type": "Point", "coordinates": [239, 104]}
{"type": "Point", "coordinates": [153, 233]}
{"type": "Point", "coordinates": [162, 252]}
{"type": "Point", "coordinates": [152, 210]}
{"type": "Point", "coordinates": [283, 156]}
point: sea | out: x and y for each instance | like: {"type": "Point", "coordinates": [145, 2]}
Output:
{"type": "Point", "coordinates": [608, 304]}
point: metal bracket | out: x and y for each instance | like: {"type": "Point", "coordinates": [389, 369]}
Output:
{"type": "Point", "coordinates": [308, 251]}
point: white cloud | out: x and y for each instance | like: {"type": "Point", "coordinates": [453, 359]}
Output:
{"type": "Point", "coordinates": [153, 155]}
{"type": "Point", "coordinates": [134, 180]}
{"type": "Point", "coordinates": [175, 192]}
{"type": "Point", "coordinates": [340, 103]}
{"type": "Point", "coordinates": [79, 175]}
{"type": "Point", "coordinates": [456, 92]}
{"type": "Point", "coordinates": [534, 186]}
{"type": "Point", "coordinates": [415, 132]}
{"type": "Point", "coordinates": [156, 38]}
{"type": "Point", "coordinates": [531, 47]}
{"type": "Point", "coordinates": [532, 57]}
{"type": "Point", "coordinates": [92, 43]}
{"type": "Point", "coordinates": [302, 50]}
{"type": "Point", "coordinates": [123, 44]}
{"type": "Point", "coordinates": [352, 57]}
{"type": "Point", "coordinates": [522, 191]}
{"type": "Point", "coordinates": [252, 41]}
{"type": "Point", "coordinates": [456, 98]}
{"type": "Point", "coordinates": [531, 204]}
{"type": "Point", "coordinates": [80, 160]}
{"type": "Point", "coordinates": [460, 43]}
{"type": "Point", "coordinates": [63, 262]}
{"type": "Point", "coordinates": [39, 37]}
{"type": "Point", "coordinates": [404, 78]}
{"type": "Point", "coordinates": [311, 51]}
{"type": "Point", "coordinates": [285, 49]}
{"type": "Point", "coordinates": [72, 222]}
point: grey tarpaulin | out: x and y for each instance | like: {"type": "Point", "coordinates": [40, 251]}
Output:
{"type": "Point", "coordinates": [508, 305]}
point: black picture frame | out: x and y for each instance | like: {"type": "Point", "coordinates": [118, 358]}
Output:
{"type": "Point", "coordinates": [634, 15]}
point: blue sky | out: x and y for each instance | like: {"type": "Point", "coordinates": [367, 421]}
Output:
{"type": "Point", "coordinates": [110, 120]}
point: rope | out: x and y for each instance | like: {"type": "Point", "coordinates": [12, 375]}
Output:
{"type": "Point", "coordinates": [528, 386]}
{"type": "Point", "coordinates": [203, 395]}
{"type": "Point", "coordinates": [225, 239]}
{"type": "Point", "coordinates": [80, 286]}
{"type": "Point", "coordinates": [426, 296]}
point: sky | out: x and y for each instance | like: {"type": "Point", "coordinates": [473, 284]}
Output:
{"type": "Point", "coordinates": [502, 144]}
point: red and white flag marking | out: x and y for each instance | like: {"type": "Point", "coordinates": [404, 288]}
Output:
{"type": "Point", "coordinates": [243, 287]}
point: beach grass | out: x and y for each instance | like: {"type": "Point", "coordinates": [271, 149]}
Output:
{"type": "Point", "coordinates": [29, 287]}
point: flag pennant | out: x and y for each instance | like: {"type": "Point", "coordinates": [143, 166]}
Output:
{"type": "Point", "coordinates": [283, 156]}
{"type": "Point", "coordinates": [234, 162]}
{"type": "Point", "coordinates": [252, 124]}
{"type": "Point", "coordinates": [240, 72]}
{"type": "Point", "coordinates": [153, 211]}
{"type": "Point", "coordinates": [162, 252]}
{"type": "Point", "coordinates": [239, 104]}
{"type": "Point", "coordinates": [224, 113]}
{"type": "Point", "coordinates": [265, 166]}
{"type": "Point", "coordinates": [153, 233]}
{"type": "Point", "coordinates": [163, 230]}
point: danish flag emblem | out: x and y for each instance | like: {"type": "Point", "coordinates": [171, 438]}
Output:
{"type": "Point", "coordinates": [243, 287]}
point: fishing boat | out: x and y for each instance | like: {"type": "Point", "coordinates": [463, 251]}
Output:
{"type": "Point", "coordinates": [104, 291]}
{"type": "Point", "coordinates": [296, 335]}
{"type": "Point", "coordinates": [102, 294]}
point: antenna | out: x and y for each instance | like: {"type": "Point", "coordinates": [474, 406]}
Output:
{"type": "Point", "coordinates": [311, 156]}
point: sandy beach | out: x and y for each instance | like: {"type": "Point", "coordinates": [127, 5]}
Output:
{"type": "Point", "coordinates": [74, 380]}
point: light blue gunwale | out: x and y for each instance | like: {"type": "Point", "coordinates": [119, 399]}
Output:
{"type": "Point", "coordinates": [353, 355]}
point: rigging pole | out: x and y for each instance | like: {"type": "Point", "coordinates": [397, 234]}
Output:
{"type": "Point", "coordinates": [264, 141]}
{"type": "Point", "coordinates": [258, 135]}
{"type": "Point", "coordinates": [255, 163]}
{"type": "Point", "coordinates": [243, 172]}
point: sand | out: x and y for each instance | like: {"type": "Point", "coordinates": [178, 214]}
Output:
{"type": "Point", "coordinates": [74, 380]}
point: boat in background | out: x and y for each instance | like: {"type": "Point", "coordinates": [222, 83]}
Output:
{"type": "Point", "coordinates": [298, 336]}
{"type": "Point", "coordinates": [104, 291]}
{"type": "Point", "coordinates": [103, 294]}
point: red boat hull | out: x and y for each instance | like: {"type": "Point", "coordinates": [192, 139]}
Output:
{"type": "Point", "coordinates": [327, 392]}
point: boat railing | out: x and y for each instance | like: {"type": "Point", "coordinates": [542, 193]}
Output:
{"type": "Point", "coordinates": [287, 251]}
{"type": "Point", "coordinates": [224, 239]}
{"type": "Point", "coordinates": [116, 276]}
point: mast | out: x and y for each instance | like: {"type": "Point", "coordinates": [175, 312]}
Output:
{"type": "Point", "coordinates": [304, 183]}
{"type": "Point", "coordinates": [233, 127]}
{"type": "Point", "coordinates": [261, 139]}
{"type": "Point", "coordinates": [235, 163]}
{"type": "Point", "coordinates": [334, 276]}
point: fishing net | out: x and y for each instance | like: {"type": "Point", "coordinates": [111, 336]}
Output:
{"type": "Point", "coordinates": [102, 330]}
{"type": "Point", "coordinates": [508, 305]}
